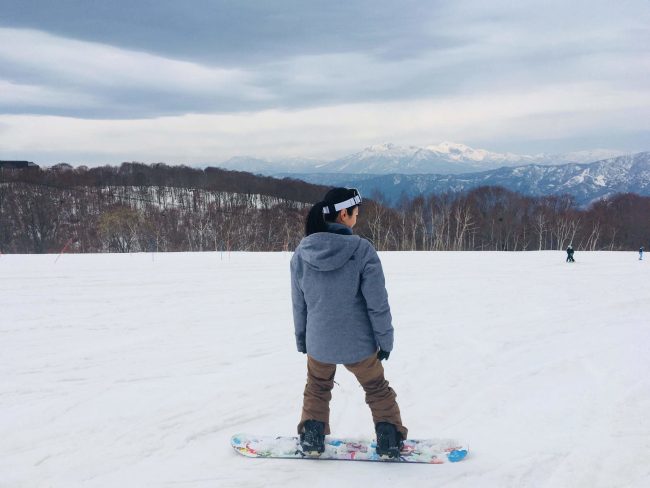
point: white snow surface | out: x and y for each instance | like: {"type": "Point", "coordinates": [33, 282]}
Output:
{"type": "Point", "coordinates": [134, 370]}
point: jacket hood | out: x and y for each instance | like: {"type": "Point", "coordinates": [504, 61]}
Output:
{"type": "Point", "coordinates": [326, 251]}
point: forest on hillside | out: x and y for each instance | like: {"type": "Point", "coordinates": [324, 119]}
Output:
{"type": "Point", "coordinates": [136, 207]}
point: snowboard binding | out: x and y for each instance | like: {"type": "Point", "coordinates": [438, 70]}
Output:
{"type": "Point", "coordinates": [389, 441]}
{"type": "Point", "coordinates": [312, 438]}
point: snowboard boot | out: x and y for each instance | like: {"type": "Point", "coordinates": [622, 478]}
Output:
{"type": "Point", "coordinates": [312, 439]}
{"type": "Point", "coordinates": [389, 441]}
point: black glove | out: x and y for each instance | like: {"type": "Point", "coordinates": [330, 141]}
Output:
{"type": "Point", "coordinates": [301, 346]}
{"type": "Point", "coordinates": [381, 355]}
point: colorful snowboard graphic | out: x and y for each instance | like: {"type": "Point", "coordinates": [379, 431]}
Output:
{"type": "Point", "coordinates": [431, 451]}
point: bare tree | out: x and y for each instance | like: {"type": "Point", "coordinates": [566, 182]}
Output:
{"type": "Point", "coordinates": [119, 229]}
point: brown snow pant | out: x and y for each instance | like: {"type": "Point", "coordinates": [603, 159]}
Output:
{"type": "Point", "coordinates": [380, 397]}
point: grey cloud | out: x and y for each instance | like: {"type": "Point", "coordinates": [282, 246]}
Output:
{"type": "Point", "coordinates": [633, 141]}
{"type": "Point", "coordinates": [233, 32]}
{"type": "Point", "coordinates": [134, 104]}
{"type": "Point", "coordinates": [317, 53]}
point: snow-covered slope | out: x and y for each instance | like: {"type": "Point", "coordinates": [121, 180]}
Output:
{"type": "Point", "coordinates": [134, 370]}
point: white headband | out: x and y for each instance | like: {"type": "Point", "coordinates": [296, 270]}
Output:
{"type": "Point", "coordinates": [355, 200]}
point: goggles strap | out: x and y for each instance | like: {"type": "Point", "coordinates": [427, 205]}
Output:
{"type": "Point", "coordinates": [355, 200]}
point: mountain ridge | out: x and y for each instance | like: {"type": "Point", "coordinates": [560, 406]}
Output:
{"type": "Point", "coordinates": [586, 182]}
{"type": "Point", "coordinates": [446, 157]}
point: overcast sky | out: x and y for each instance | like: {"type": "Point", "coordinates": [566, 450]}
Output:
{"type": "Point", "coordinates": [91, 82]}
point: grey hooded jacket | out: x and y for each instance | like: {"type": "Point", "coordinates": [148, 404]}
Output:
{"type": "Point", "coordinates": [340, 304]}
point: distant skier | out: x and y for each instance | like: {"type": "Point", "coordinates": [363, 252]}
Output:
{"type": "Point", "coordinates": [569, 254]}
{"type": "Point", "coordinates": [341, 316]}
{"type": "Point", "coordinates": [641, 253]}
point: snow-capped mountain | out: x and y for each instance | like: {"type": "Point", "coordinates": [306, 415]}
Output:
{"type": "Point", "coordinates": [246, 163]}
{"type": "Point", "coordinates": [588, 156]}
{"type": "Point", "coordinates": [586, 182]}
{"type": "Point", "coordinates": [447, 158]}
{"type": "Point", "coordinates": [389, 158]}
{"type": "Point", "coordinates": [443, 158]}
{"type": "Point", "coordinates": [267, 167]}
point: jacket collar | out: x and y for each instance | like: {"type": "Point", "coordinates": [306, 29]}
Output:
{"type": "Point", "coordinates": [336, 228]}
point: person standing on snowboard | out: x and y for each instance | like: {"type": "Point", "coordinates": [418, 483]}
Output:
{"type": "Point", "coordinates": [641, 249]}
{"type": "Point", "coordinates": [341, 316]}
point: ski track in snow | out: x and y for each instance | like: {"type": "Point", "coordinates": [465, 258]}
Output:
{"type": "Point", "coordinates": [135, 370]}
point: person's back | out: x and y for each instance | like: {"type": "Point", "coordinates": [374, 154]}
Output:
{"type": "Point", "coordinates": [340, 279]}
{"type": "Point", "coordinates": [569, 254]}
{"type": "Point", "coordinates": [341, 316]}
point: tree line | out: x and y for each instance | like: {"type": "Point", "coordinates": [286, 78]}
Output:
{"type": "Point", "coordinates": [493, 218]}
{"type": "Point", "coordinates": [136, 208]}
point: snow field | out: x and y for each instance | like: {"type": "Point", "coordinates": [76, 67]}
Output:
{"type": "Point", "coordinates": [135, 370]}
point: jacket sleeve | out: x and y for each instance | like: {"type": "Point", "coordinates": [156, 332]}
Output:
{"type": "Point", "coordinates": [373, 288]}
{"type": "Point", "coordinates": [299, 307]}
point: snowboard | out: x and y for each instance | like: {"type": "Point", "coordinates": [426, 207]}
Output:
{"type": "Point", "coordinates": [430, 451]}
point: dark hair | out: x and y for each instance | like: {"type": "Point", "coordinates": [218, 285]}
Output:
{"type": "Point", "coordinates": [317, 220]}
